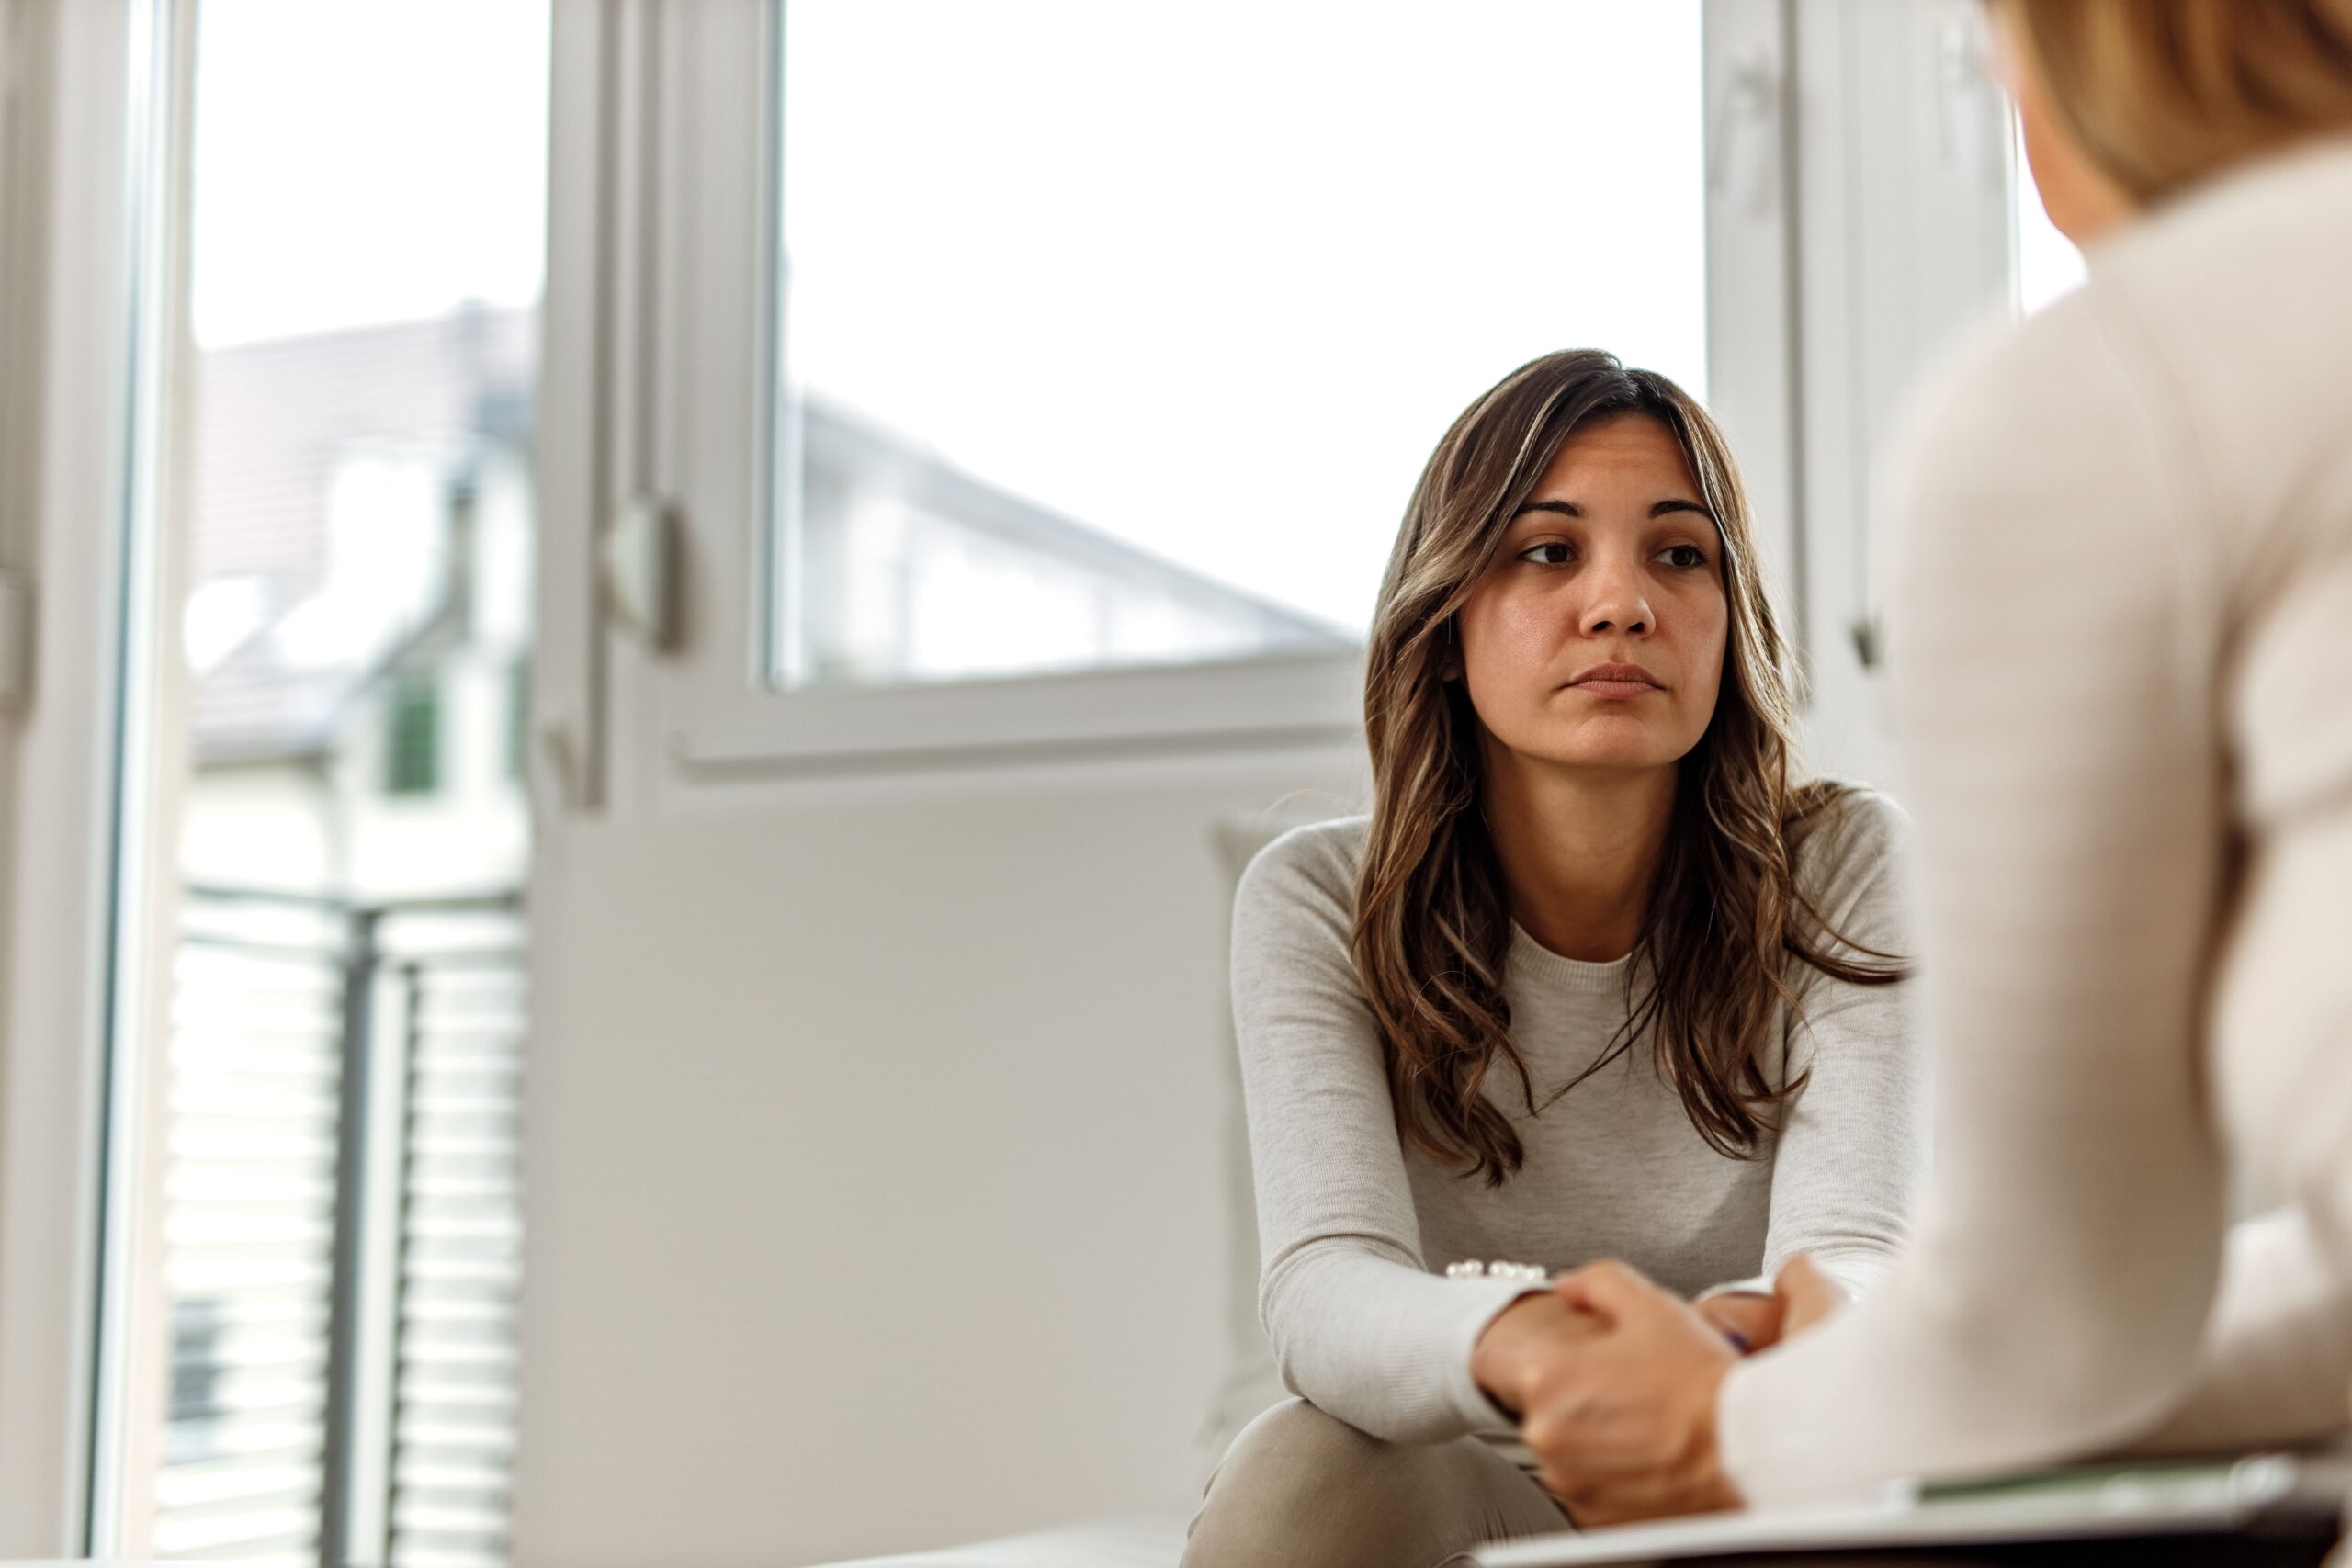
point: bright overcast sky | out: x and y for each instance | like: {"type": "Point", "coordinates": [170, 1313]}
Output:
{"type": "Point", "coordinates": [1212, 277]}
{"type": "Point", "coordinates": [1216, 275]}
{"type": "Point", "coordinates": [364, 161]}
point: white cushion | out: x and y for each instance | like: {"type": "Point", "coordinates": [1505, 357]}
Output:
{"type": "Point", "coordinates": [1146, 1540]}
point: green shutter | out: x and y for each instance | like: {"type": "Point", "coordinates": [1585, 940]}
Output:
{"type": "Point", "coordinates": [413, 755]}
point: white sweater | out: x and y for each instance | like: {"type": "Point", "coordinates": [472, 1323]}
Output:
{"type": "Point", "coordinates": [1354, 1227]}
{"type": "Point", "coordinates": [2122, 681]}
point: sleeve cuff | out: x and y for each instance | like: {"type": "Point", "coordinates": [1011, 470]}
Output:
{"type": "Point", "coordinates": [1858, 1271]}
{"type": "Point", "coordinates": [1483, 1302]}
{"type": "Point", "coordinates": [1737, 1446]}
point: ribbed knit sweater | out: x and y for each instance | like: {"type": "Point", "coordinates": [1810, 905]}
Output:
{"type": "Point", "coordinates": [1356, 1227]}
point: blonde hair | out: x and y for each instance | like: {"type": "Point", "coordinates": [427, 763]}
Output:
{"type": "Point", "coordinates": [1728, 924]}
{"type": "Point", "coordinates": [2161, 94]}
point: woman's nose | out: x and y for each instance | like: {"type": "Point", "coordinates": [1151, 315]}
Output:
{"type": "Point", "coordinates": [1617, 603]}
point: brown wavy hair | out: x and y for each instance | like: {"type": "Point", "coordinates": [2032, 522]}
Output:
{"type": "Point", "coordinates": [1725, 918]}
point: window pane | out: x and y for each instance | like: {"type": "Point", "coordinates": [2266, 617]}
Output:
{"type": "Point", "coordinates": [1118, 335]}
{"type": "Point", "coordinates": [2048, 265]}
{"type": "Point", "coordinates": [367, 222]}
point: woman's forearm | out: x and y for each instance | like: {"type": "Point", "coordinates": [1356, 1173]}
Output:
{"type": "Point", "coordinates": [1382, 1344]}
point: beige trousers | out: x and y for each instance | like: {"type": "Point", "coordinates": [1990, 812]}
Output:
{"type": "Point", "coordinates": [1300, 1489]}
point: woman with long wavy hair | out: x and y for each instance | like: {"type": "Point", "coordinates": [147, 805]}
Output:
{"type": "Point", "coordinates": [1601, 976]}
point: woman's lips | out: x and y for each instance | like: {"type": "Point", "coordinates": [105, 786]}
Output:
{"type": "Point", "coordinates": [1616, 681]}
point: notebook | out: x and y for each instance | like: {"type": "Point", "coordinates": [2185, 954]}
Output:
{"type": "Point", "coordinates": [2270, 1494]}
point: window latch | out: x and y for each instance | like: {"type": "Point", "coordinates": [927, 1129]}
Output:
{"type": "Point", "coordinates": [641, 561]}
{"type": "Point", "coordinates": [1870, 639]}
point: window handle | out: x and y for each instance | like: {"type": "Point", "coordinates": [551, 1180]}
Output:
{"type": "Point", "coordinates": [1744, 117]}
{"type": "Point", "coordinates": [559, 745]}
{"type": "Point", "coordinates": [1869, 632]}
{"type": "Point", "coordinates": [641, 559]}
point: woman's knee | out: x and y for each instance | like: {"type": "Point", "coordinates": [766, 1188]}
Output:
{"type": "Point", "coordinates": [1303, 1489]}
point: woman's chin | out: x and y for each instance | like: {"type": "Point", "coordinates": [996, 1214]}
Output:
{"type": "Point", "coordinates": [1629, 754]}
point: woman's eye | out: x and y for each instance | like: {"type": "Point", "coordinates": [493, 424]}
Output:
{"type": "Point", "coordinates": [1683, 557]}
{"type": "Point", "coordinates": [1552, 554]}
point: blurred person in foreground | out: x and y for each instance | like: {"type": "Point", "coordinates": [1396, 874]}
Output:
{"type": "Point", "coordinates": [1601, 975]}
{"type": "Point", "coordinates": [2122, 656]}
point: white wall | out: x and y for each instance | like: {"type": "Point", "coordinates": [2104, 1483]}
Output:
{"type": "Point", "coordinates": [266, 826]}
{"type": "Point", "coordinates": [875, 1191]}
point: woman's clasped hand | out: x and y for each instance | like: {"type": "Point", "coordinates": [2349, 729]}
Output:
{"type": "Point", "coordinates": [1613, 1381]}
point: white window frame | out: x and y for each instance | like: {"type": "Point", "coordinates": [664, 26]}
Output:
{"type": "Point", "coordinates": [1845, 242]}
{"type": "Point", "coordinates": [91, 139]}
{"type": "Point", "coordinates": [1905, 236]}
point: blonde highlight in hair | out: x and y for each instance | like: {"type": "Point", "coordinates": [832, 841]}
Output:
{"type": "Point", "coordinates": [1725, 916]}
{"type": "Point", "coordinates": [2161, 94]}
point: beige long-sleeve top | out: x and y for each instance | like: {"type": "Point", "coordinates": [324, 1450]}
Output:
{"type": "Point", "coordinates": [2123, 650]}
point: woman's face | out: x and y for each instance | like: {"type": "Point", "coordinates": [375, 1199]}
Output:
{"type": "Point", "coordinates": [1596, 638]}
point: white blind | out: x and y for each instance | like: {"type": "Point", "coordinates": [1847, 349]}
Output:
{"type": "Point", "coordinates": [259, 1048]}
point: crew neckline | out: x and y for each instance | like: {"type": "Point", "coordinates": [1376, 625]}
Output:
{"type": "Point", "coordinates": [1536, 962]}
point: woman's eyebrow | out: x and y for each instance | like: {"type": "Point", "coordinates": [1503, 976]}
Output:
{"type": "Point", "coordinates": [1570, 508]}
